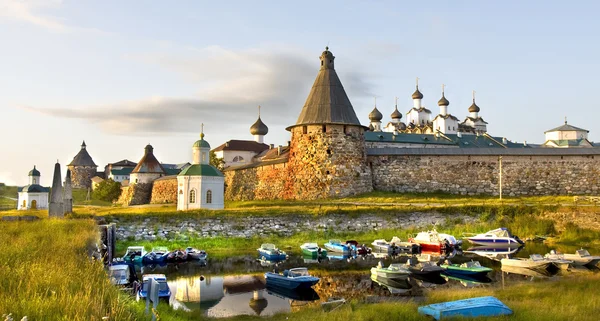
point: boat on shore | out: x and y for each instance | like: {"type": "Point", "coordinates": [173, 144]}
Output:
{"type": "Point", "coordinates": [396, 246]}
{"type": "Point", "coordinates": [359, 249]}
{"type": "Point", "coordinates": [163, 288]}
{"type": "Point", "coordinates": [313, 250]}
{"type": "Point", "coordinates": [158, 255]}
{"type": "Point", "coordinates": [432, 241]}
{"type": "Point", "coordinates": [428, 270]}
{"type": "Point", "coordinates": [195, 254]}
{"type": "Point", "coordinates": [270, 252]}
{"type": "Point", "coordinates": [297, 278]}
{"type": "Point", "coordinates": [336, 245]}
{"type": "Point", "coordinates": [122, 273]}
{"type": "Point", "coordinates": [470, 269]}
{"type": "Point", "coordinates": [476, 307]}
{"type": "Point", "coordinates": [176, 256]}
{"type": "Point", "coordinates": [134, 254]}
{"type": "Point", "coordinates": [581, 257]}
{"type": "Point", "coordinates": [500, 237]}
{"type": "Point", "coordinates": [393, 271]}
{"type": "Point", "coordinates": [534, 261]}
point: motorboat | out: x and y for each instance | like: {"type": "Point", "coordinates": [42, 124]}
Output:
{"type": "Point", "coordinates": [195, 254]}
{"type": "Point", "coordinates": [395, 286]}
{"type": "Point", "coordinates": [471, 269]}
{"type": "Point", "coordinates": [493, 253]}
{"type": "Point", "coordinates": [535, 261]}
{"type": "Point", "coordinates": [134, 254]}
{"type": "Point", "coordinates": [313, 250]}
{"type": "Point", "coordinates": [158, 255]}
{"type": "Point", "coordinates": [536, 273]}
{"type": "Point", "coordinates": [297, 278]}
{"type": "Point", "coordinates": [121, 273]}
{"type": "Point", "coordinates": [500, 237]}
{"type": "Point", "coordinates": [426, 269]}
{"type": "Point", "coordinates": [336, 245]}
{"type": "Point", "coordinates": [432, 241]}
{"type": "Point", "coordinates": [163, 288]}
{"type": "Point", "coordinates": [467, 280]}
{"type": "Point", "coordinates": [270, 252]}
{"type": "Point", "coordinates": [580, 258]}
{"type": "Point", "coordinates": [360, 249]}
{"type": "Point", "coordinates": [395, 246]}
{"type": "Point", "coordinates": [559, 260]}
{"type": "Point", "coordinates": [177, 256]}
{"type": "Point", "coordinates": [393, 271]}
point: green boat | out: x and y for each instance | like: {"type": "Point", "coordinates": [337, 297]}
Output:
{"type": "Point", "coordinates": [471, 269]}
{"type": "Point", "coordinates": [313, 250]}
{"type": "Point", "coordinates": [134, 254]}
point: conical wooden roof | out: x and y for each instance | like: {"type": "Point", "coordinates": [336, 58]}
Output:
{"type": "Point", "coordinates": [327, 102]}
{"type": "Point", "coordinates": [149, 163]}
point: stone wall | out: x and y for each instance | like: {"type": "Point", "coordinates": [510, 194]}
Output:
{"type": "Point", "coordinates": [81, 176]}
{"type": "Point", "coordinates": [164, 191]}
{"type": "Point", "coordinates": [260, 183]}
{"type": "Point", "coordinates": [470, 175]}
{"type": "Point", "coordinates": [136, 194]}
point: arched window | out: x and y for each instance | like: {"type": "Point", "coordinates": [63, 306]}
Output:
{"type": "Point", "coordinates": [209, 197]}
{"type": "Point", "coordinates": [34, 181]}
{"type": "Point", "coordinates": [192, 196]}
{"type": "Point", "coordinates": [238, 159]}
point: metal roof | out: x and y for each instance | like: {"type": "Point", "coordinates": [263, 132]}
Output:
{"type": "Point", "coordinates": [82, 158]}
{"type": "Point", "coordinates": [201, 170]}
{"type": "Point", "coordinates": [149, 163]}
{"type": "Point", "coordinates": [33, 188]}
{"type": "Point", "coordinates": [483, 151]}
{"type": "Point", "coordinates": [464, 141]}
{"type": "Point", "coordinates": [242, 145]}
{"type": "Point", "coordinates": [566, 127]}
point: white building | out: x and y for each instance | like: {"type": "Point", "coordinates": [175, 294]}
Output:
{"type": "Point", "coordinates": [444, 122]}
{"type": "Point", "coordinates": [567, 136]}
{"type": "Point", "coordinates": [200, 185]}
{"type": "Point", "coordinates": [418, 115]}
{"type": "Point", "coordinates": [375, 118]}
{"type": "Point", "coordinates": [120, 174]}
{"type": "Point", "coordinates": [474, 122]}
{"type": "Point", "coordinates": [33, 196]}
{"type": "Point", "coordinates": [148, 169]}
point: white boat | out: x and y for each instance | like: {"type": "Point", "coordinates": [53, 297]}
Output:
{"type": "Point", "coordinates": [580, 258]}
{"type": "Point", "coordinates": [500, 237]}
{"type": "Point", "coordinates": [493, 253]}
{"type": "Point", "coordinates": [558, 260]}
{"type": "Point", "coordinates": [394, 271]}
{"type": "Point", "coordinates": [395, 246]}
{"type": "Point", "coordinates": [535, 261]}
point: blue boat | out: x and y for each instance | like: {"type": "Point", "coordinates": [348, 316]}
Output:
{"type": "Point", "coordinates": [270, 252]}
{"type": "Point", "coordinates": [158, 255]}
{"type": "Point", "coordinates": [485, 306]}
{"type": "Point", "coordinates": [498, 237]}
{"type": "Point", "coordinates": [297, 278]}
{"type": "Point", "coordinates": [163, 288]}
{"type": "Point", "coordinates": [337, 246]}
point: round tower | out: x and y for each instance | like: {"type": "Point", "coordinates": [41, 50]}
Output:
{"type": "Point", "coordinates": [327, 149]}
{"type": "Point", "coordinates": [82, 168]}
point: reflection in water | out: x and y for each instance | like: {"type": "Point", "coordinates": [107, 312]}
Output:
{"type": "Point", "coordinates": [395, 286]}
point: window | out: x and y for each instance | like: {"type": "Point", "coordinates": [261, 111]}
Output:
{"type": "Point", "coordinates": [324, 128]}
{"type": "Point", "coordinates": [304, 130]}
{"type": "Point", "coordinates": [34, 181]}
{"type": "Point", "coordinates": [203, 157]}
{"type": "Point", "coordinates": [238, 159]}
{"type": "Point", "coordinates": [192, 196]}
{"type": "Point", "coordinates": [209, 197]}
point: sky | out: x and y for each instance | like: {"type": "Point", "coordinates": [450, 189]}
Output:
{"type": "Point", "coordinates": [122, 74]}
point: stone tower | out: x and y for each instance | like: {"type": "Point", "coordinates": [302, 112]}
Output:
{"type": "Point", "coordinates": [82, 169]}
{"type": "Point", "coordinates": [327, 152]}
{"type": "Point", "coordinates": [56, 195]}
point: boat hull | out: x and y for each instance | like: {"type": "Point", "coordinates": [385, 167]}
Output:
{"type": "Point", "coordinates": [497, 242]}
{"type": "Point", "coordinates": [468, 272]}
{"type": "Point", "coordinates": [475, 307]}
{"type": "Point", "coordinates": [271, 256]}
{"type": "Point", "coordinates": [338, 248]}
{"type": "Point", "coordinates": [528, 264]}
{"type": "Point", "coordinates": [314, 253]}
{"type": "Point", "coordinates": [278, 280]}
{"type": "Point", "coordinates": [388, 274]}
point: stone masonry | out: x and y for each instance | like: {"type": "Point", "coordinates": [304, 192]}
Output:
{"type": "Point", "coordinates": [164, 191]}
{"type": "Point", "coordinates": [81, 176]}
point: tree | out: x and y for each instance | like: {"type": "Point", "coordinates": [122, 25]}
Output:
{"type": "Point", "coordinates": [108, 190]}
{"type": "Point", "coordinates": [216, 161]}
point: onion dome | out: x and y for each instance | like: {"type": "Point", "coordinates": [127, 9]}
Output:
{"type": "Point", "coordinates": [375, 115]}
{"type": "Point", "coordinates": [200, 143]}
{"type": "Point", "coordinates": [474, 108]}
{"type": "Point", "coordinates": [34, 172]}
{"type": "Point", "coordinates": [396, 114]}
{"type": "Point", "coordinates": [259, 128]}
{"type": "Point", "coordinates": [443, 101]}
{"type": "Point", "coordinates": [417, 94]}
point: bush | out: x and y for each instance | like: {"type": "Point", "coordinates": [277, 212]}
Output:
{"type": "Point", "coordinates": [108, 190]}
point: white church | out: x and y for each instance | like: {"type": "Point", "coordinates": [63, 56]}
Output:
{"type": "Point", "coordinates": [200, 185]}
{"type": "Point", "coordinates": [33, 196]}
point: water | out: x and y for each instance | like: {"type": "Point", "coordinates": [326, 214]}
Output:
{"type": "Point", "coordinates": [225, 287]}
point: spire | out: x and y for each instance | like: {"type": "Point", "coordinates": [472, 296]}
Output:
{"type": "Point", "coordinates": [201, 143]}
{"type": "Point", "coordinates": [565, 124]}
{"type": "Point", "coordinates": [83, 145]}
{"type": "Point", "coordinates": [55, 208]}
{"type": "Point", "coordinates": [202, 131]}
{"type": "Point", "coordinates": [68, 194]}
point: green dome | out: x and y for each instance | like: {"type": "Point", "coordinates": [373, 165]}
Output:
{"type": "Point", "coordinates": [34, 172]}
{"type": "Point", "coordinates": [201, 143]}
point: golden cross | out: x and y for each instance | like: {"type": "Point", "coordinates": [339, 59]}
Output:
{"type": "Point", "coordinates": [202, 128]}
{"type": "Point", "coordinates": [443, 86]}
{"type": "Point", "coordinates": [473, 95]}
{"type": "Point", "coordinates": [396, 99]}
{"type": "Point", "coordinates": [417, 82]}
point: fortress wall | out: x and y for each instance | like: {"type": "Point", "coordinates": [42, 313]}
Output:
{"type": "Point", "coordinates": [81, 176]}
{"type": "Point", "coordinates": [256, 183]}
{"type": "Point", "coordinates": [164, 191]}
{"type": "Point", "coordinates": [136, 194]}
{"type": "Point", "coordinates": [464, 174]}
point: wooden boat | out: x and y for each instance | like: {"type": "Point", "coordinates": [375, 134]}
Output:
{"type": "Point", "coordinates": [434, 242]}
{"type": "Point", "coordinates": [476, 307]}
{"type": "Point", "coordinates": [499, 237]}
{"type": "Point", "coordinates": [336, 245]}
{"type": "Point", "coordinates": [297, 278]}
{"type": "Point", "coordinates": [360, 249]}
{"type": "Point", "coordinates": [163, 288]}
{"type": "Point", "coordinates": [270, 252]}
{"type": "Point", "coordinates": [195, 254]}
{"type": "Point", "coordinates": [533, 262]}
{"type": "Point", "coordinates": [471, 269]}
{"type": "Point", "coordinates": [158, 255]}
{"type": "Point", "coordinates": [176, 256]}
{"type": "Point", "coordinates": [580, 258]}
{"type": "Point", "coordinates": [312, 250]}
{"type": "Point", "coordinates": [134, 254]}
{"type": "Point", "coordinates": [394, 271]}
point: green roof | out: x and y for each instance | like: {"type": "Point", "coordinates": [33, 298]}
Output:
{"type": "Point", "coordinates": [201, 143]}
{"type": "Point", "coordinates": [465, 141]}
{"type": "Point", "coordinates": [201, 170]}
{"type": "Point", "coordinates": [34, 172]}
{"type": "Point", "coordinates": [121, 171]}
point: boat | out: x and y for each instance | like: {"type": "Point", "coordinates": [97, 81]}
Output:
{"type": "Point", "coordinates": [486, 306]}
{"type": "Point", "coordinates": [426, 269]}
{"type": "Point", "coordinates": [471, 269]}
{"type": "Point", "coordinates": [121, 273]}
{"type": "Point", "coordinates": [396, 246]}
{"type": "Point", "coordinates": [395, 286]}
{"type": "Point", "coordinates": [298, 294]}
{"type": "Point", "coordinates": [270, 252]}
{"type": "Point", "coordinates": [335, 245]}
{"type": "Point", "coordinates": [340, 257]}
{"type": "Point", "coordinates": [393, 271]}
{"type": "Point", "coordinates": [580, 258]}
{"type": "Point", "coordinates": [297, 278]}
{"type": "Point", "coordinates": [499, 237]}
{"type": "Point", "coordinates": [536, 273]}
{"type": "Point", "coordinates": [195, 254]}
{"type": "Point", "coordinates": [493, 253]}
{"type": "Point", "coordinates": [558, 260]}
{"type": "Point", "coordinates": [312, 250]}
{"type": "Point", "coordinates": [534, 261]}
{"type": "Point", "coordinates": [163, 288]}
{"type": "Point", "coordinates": [158, 255]}
{"type": "Point", "coordinates": [176, 256]}
{"type": "Point", "coordinates": [134, 254]}
{"type": "Point", "coordinates": [360, 249]}
{"type": "Point", "coordinates": [432, 241]}
{"type": "Point", "coordinates": [468, 280]}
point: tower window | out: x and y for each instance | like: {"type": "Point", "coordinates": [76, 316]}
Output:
{"type": "Point", "coordinates": [345, 129]}
{"type": "Point", "coordinates": [324, 128]}
{"type": "Point", "coordinates": [304, 130]}
{"type": "Point", "coordinates": [328, 151]}
{"type": "Point", "coordinates": [192, 196]}
{"type": "Point", "coordinates": [238, 159]}
{"type": "Point", "coordinates": [321, 62]}
{"type": "Point", "coordinates": [209, 197]}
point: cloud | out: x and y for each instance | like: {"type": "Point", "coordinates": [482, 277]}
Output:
{"type": "Point", "coordinates": [230, 86]}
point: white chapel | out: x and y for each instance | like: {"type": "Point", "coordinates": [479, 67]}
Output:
{"type": "Point", "coordinates": [33, 196]}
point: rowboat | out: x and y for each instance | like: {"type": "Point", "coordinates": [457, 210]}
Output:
{"type": "Point", "coordinates": [312, 250]}
{"type": "Point", "coordinates": [499, 237]}
{"type": "Point", "coordinates": [134, 254]}
{"type": "Point", "coordinates": [472, 269]}
{"type": "Point", "coordinates": [158, 255]}
{"type": "Point", "coordinates": [534, 261]}
{"type": "Point", "coordinates": [297, 278]}
{"type": "Point", "coordinates": [394, 271]}
{"type": "Point", "coordinates": [336, 245]}
{"type": "Point", "coordinates": [580, 258]}
{"type": "Point", "coordinates": [358, 248]}
{"type": "Point", "coordinates": [269, 251]}
{"type": "Point", "coordinates": [476, 307]}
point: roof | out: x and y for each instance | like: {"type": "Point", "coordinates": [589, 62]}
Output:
{"type": "Point", "coordinates": [124, 162]}
{"type": "Point", "coordinates": [474, 108]}
{"type": "Point", "coordinates": [396, 114]}
{"type": "Point", "coordinates": [446, 116]}
{"type": "Point", "coordinates": [375, 115]}
{"type": "Point", "coordinates": [443, 101]}
{"type": "Point", "coordinates": [283, 159]}
{"type": "Point", "coordinates": [570, 142]}
{"type": "Point", "coordinates": [566, 127]}
{"type": "Point", "coordinates": [327, 102]}
{"type": "Point", "coordinates": [121, 171]}
{"type": "Point", "coordinates": [259, 128]}
{"type": "Point", "coordinates": [172, 171]}
{"type": "Point", "coordinates": [473, 119]}
{"type": "Point", "coordinates": [484, 151]}
{"type": "Point", "coordinates": [149, 163]}
{"type": "Point", "coordinates": [201, 142]}
{"type": "Point", "coordinates": [34, 172]}
{"type": "Point", "coordinates": [97, 179]}
{"type": "Point", "coordinates": [82, 158]}
{"type": "Point", "coordinates": [242, 145]}
{"type": "Point", "coordinates": [272, 153]}
{"type": "Point", "coordinates": [417, 94]}
{"type": "Point", "coordinates": [201, 170]}
{"type": "Point", "coordinates": [34, 188]}
{"type": "Point", "coordinates": [420, 110]}
{"type": "Point", "coordinates": [465, 141]}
